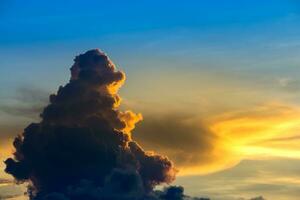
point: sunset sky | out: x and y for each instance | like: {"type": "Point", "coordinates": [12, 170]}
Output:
{"type": "Point", "coordinates": [217, 83]}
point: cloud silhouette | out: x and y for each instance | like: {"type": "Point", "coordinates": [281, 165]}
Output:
{"type": "Point", "coordinates": [82, 148]}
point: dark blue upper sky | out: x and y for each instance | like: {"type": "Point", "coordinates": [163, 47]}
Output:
{"type": "Point", "coordinates": [45, 21]}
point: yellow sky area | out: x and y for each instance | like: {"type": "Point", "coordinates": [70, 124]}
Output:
{"type": "Point", "coordinates": [275, 180]}
{"type": "Point", "coordinates": [221, 161]}
{"type": "Point", "coordinates": [6, 151]}
{"type": "Point", "coordinates": [261, 132]}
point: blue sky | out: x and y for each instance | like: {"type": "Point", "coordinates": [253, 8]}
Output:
{"type": "Point", "coordinates": [39, 21]}
{"type": "Point", "coordinates": [202, 59]}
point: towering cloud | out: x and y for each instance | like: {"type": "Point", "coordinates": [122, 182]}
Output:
{"type": "Point", "coordinates": [82, 148]}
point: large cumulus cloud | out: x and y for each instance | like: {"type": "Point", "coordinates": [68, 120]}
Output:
{"type": "Point", "coordinates": [82, 148]}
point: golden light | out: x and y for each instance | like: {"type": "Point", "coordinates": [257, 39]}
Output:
{"type": "Point", "coordinates": [250, 133]}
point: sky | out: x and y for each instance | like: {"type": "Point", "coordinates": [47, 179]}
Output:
{"type": "Point", "coordinates": [217, 82]}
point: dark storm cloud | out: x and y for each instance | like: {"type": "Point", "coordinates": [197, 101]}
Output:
{"type": "Point", "coordinates": [82, 148]}
{"type": "Point", "coordinates": [175, 193]}
{"type": "Point", "coordinates": [184, 141]}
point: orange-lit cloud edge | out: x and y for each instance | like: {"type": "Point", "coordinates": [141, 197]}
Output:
{"type": "Point", "coordinates": [267, 131]}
